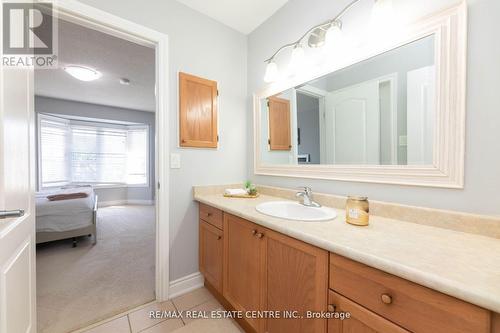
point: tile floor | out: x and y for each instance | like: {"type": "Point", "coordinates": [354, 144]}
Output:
{"type": "Point", "coordinates": [197, 300]}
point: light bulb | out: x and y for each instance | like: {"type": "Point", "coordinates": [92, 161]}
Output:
{"type": "Point", "coordinates": [382, 13]}
{"type": "Point", "coordinates": [297, 59]}
{"type": "Point", "coordinates": [271, 72]}
{"type": "Point", "coordinates": [333, 34]}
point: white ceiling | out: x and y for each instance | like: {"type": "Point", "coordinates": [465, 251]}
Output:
{"type": "Point", "coordinates": [115, 58]}
{"type": "Point", "coordinates": [241, 15]}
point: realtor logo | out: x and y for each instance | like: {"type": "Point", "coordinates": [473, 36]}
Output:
{"type": "Point", "coordinates": [29, 34]}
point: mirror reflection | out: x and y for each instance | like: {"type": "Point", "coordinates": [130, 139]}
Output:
{"type": "Point", "coordinates": [380, 111]}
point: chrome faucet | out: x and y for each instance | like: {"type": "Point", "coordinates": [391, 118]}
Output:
{"type": "Point", "coordinates": [307, 197]}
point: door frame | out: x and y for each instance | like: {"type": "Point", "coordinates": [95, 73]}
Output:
{"type": "Point", "coordinates": [105, 22]}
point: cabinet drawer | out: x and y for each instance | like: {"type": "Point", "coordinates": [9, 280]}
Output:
{"type": "Point", "coordinates": [412, 306]}
{"type": "Point", "coordinates": [361, 319]}
{"type": "Point", "coordinates": [211, 215]}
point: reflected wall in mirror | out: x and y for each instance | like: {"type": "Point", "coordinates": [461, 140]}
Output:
{"type": "Point", "coordinates": [381, 111]}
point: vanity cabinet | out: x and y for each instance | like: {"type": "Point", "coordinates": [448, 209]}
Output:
{"type": "Point", "coordinates": [296, 275]}
{"type": "Point", "coordinates": [252, 268]}
{"type": "Point", "coordinates": [361, 320]}
{"type": "Point", "coordinates": [265, 270]}
{"type": "Point", "coordinates": [407, 304]}
{"type": "Point", "coordinates": [211, 246]}
{"type": "Point", "coordinates": [244, 258]}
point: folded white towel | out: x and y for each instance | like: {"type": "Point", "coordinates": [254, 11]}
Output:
{"type": "Point", "coordinates": [235, 191]}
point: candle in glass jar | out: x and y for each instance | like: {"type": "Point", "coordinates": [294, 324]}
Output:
{"type": "Point", "coordinates": [357, 210]}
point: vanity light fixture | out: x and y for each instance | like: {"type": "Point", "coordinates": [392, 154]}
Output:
{"type": "Point", "coordinates": [328, 33]}
{"type": "Point", "coordinates": [334, 33]}
{"type": "Point", "coordinates": [297, 59]}
{"type": "Point", "coordinates": [382, 12]}
{"type": "Point", "coordinates": [82, 73]}
{"type": "Point", "coordinates": [271, 71]}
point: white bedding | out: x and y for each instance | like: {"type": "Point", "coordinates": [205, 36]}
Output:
{"type": "Point", "coordinates": [64, 215]}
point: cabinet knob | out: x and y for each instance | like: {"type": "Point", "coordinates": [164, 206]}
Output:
{"type": "Point", "coordinates": [331, 308]}
{"type": "Point", "coordinates": [259, 235]}
{"type": "Point", "coordinates": [386, 298]}
{"type": "Point", "coordinates": [219, 237]}
{"type": "Point", "coordinates": [183, 141]}
{"type": "Point", "coordinates": [209, 214]}
{"type": "Point", "coordinates": [254, 232]}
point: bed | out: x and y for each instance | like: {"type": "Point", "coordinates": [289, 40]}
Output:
{"type": "Point", "coordinates": [64, 219]}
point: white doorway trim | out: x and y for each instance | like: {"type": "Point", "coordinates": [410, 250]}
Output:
{"type": "Point", "coordinates": [88, 16]}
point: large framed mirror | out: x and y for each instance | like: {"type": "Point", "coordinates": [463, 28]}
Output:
{"type": "Point", "coordinates": [392, 112]}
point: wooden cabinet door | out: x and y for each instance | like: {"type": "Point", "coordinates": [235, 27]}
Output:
{"type": "Point", "coordinates": [279, 124]}
{"type": "Point", "coordinates": [211, 248]}
{"type": "Point", "coordinates": [361, 320]}
{"type": "Point", "coordinates": [296, 280]}
{"type": "Point", "coordinates": [197, 112]}
{"type": "Point", "coordinates": [243, 267]}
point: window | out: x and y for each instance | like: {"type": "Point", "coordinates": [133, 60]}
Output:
{"type": "Point", "coordinates": [74, 151]}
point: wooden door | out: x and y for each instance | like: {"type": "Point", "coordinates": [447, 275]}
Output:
{"type": "Point", "coordinates": [279, 124]}
{"type": "Point", "coordinates": [243, 267]}
{"type": "Point", "coordinates": [296, 280]}
{"type": "Point", "coordinates": [361, 320]}
{"type": "Point", "coordinates": [211, 245]}
{"type": "Point", "coordinates": [17, 189]}
{"type": "Point", "coordinates": [197, 112]}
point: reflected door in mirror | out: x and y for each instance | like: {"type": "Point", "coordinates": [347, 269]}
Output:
{"type": "Point", "coordinates": [352, 121]}
{"type": "Point", "coordinates": [279, 124]}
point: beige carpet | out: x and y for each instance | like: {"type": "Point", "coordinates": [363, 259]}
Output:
{"type": "Point", "coordinates": [82, 285]}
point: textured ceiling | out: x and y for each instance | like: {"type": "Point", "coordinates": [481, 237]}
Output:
{"type": "Point", "coordinates": [241, 15]}
{"type": "Point", "coordinates": [115, 58]}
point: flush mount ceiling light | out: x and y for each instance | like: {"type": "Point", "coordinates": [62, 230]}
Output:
{"type": "Point", "coordinates": [329, 32]}
{"type": "Point", "coordinates": [82, 73]}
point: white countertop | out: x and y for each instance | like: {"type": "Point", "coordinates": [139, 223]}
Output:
{"type": "Point", "coordinates": [459, 264]}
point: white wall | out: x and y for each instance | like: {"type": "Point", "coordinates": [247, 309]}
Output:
{"type": "Point", "coordinates": [482, 183]}
{"type": "Point", "coordinates": [203, 47]}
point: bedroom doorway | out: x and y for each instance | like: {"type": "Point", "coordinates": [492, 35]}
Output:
{"type": "Point", "coordinates": [100, 123]}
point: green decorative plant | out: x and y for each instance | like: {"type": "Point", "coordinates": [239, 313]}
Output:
{"type": "Point", "coordinates": [251, 189]}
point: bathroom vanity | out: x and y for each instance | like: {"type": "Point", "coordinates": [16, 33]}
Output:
{"type": "Point", "coordinates": [254, 262]}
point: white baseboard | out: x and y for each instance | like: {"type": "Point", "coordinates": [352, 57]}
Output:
{"type": "Point", "coordinates": [185, 284]}
{"type": "Point", "coordinates": [140, 202]}
{"type": "Point", "coordinates": [111, 203]}
{"type": "Point", "coordinates": [125, 202]}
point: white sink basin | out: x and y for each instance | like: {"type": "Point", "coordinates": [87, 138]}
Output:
{"type": "Point", "coordinates": [295, 211]}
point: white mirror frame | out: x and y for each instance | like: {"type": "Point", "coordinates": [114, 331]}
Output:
{"type": "Point", "coordinates": [450, 30]}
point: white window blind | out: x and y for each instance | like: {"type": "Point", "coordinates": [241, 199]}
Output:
{"type": "Point", "coordinates": [100, 153]}
{"type": "Point", "coordinates": [53, 151]}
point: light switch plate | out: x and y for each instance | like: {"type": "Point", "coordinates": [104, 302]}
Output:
{"type": "Point", "coordinates": [175, 161]}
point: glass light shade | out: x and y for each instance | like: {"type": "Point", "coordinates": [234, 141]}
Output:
{"type": "Point", "coordinates": [382, 12]}
{"type": "Point", "coordinates": [82, 73]}
{"type": "Point", "coordinates": [271, 72]}
{"type": "Point", "coordinates": [297, 58]}
{"type": "Point", "coordinates": [333, 35]}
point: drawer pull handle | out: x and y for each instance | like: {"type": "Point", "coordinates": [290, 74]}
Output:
{"type": "Point", "coordinates": [331, 308]}
{"type": "Point", "coordinates": [259, 235]}
{"type": "Point", "coordinates": [386, 299]}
